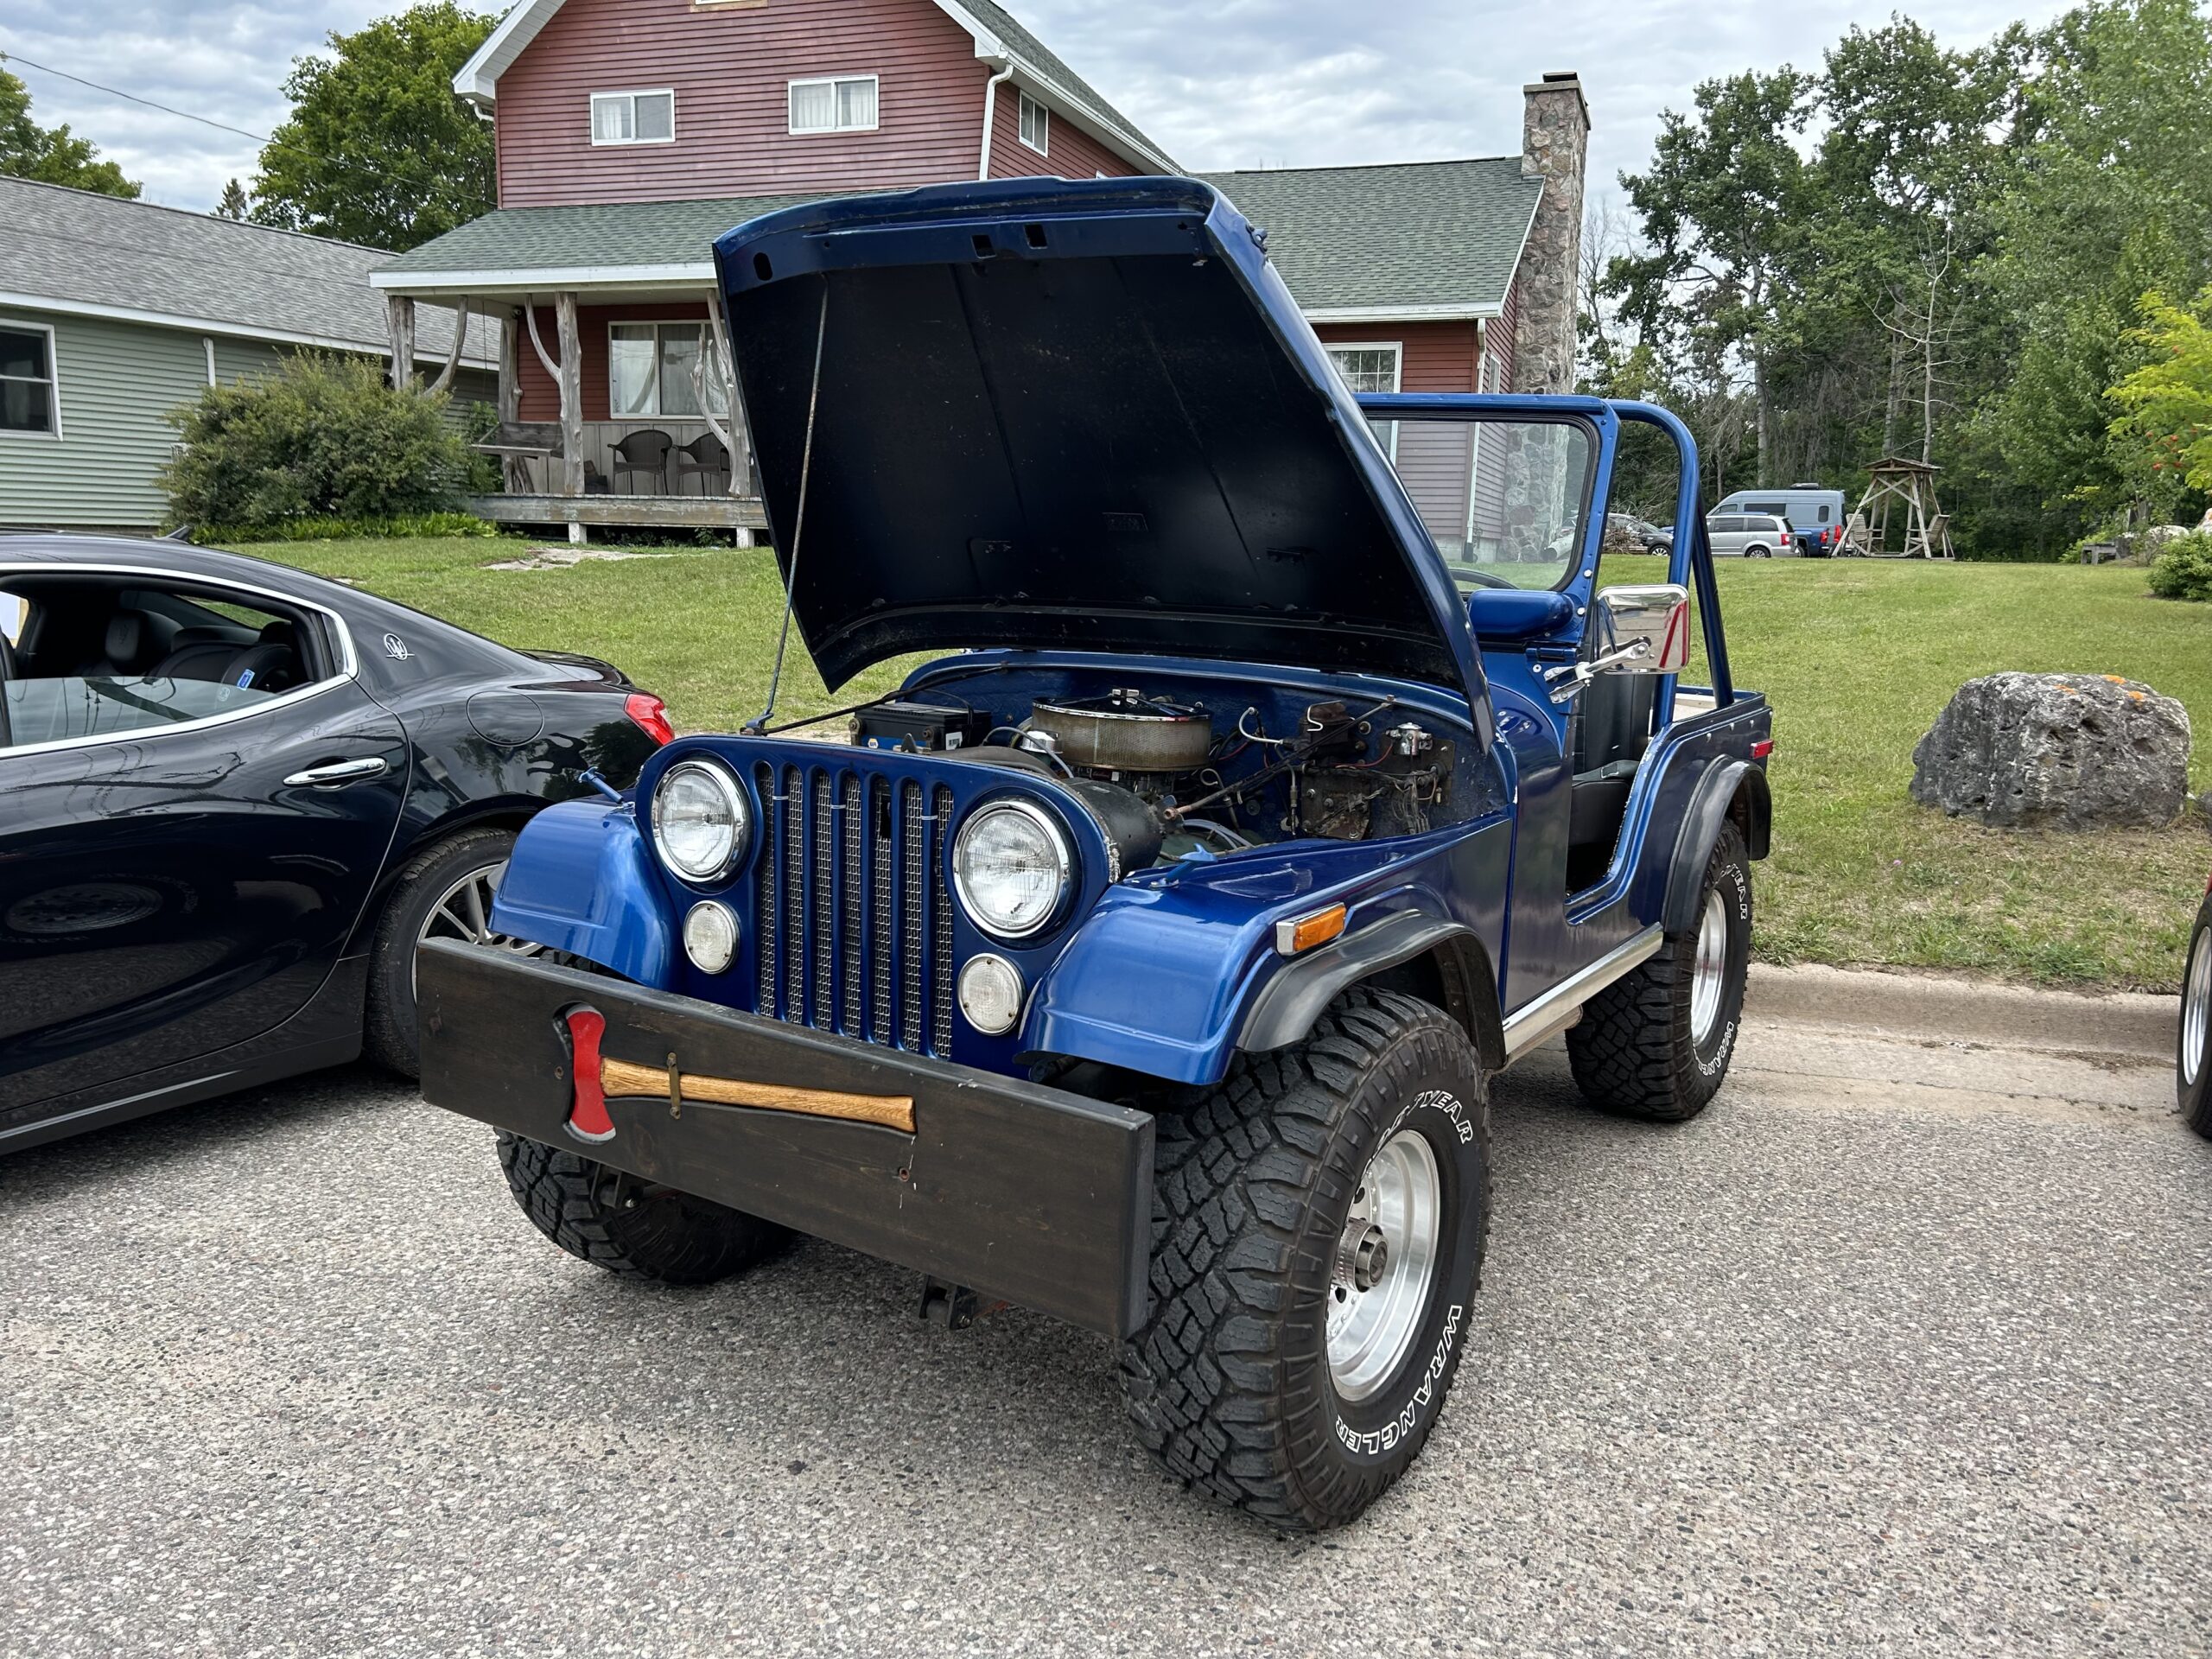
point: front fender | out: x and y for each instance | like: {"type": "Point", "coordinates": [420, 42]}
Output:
{"type": "Point", "coordinates": [1167, 976]}
{"type": "Point", "coordinates": [581, 881]}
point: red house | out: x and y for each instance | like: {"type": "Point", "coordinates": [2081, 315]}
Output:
{"type": "Point", "coordinates": [631, 133]}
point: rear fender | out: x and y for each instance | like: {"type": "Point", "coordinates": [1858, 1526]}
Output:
{"type": "Point", "coordinates": [581, 881]}
{"type": "Point", "coordinates": [1735, 788]}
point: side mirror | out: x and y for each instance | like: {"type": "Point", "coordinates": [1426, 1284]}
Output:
{"type": "Point", "coordinates": [1643, 630]}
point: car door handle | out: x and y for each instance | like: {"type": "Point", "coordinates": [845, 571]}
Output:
{"type": "Point", "coordinates": [337, 774]}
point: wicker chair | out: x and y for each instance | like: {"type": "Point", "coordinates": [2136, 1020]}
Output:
{"type": "Point", "coordinates": [645, 451]}
{"type": "Point", "coordinates": [707, 457]}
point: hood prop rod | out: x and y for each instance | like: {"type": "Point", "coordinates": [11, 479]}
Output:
{"type": "Point", "coordinates": [759, 723]}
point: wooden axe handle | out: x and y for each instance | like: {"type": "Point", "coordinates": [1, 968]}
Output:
{"type": "Point", "coordinates": [619, 1077]}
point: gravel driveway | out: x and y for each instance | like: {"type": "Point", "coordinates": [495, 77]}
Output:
{"type": "Point", "coordinates": [1871, 1360]}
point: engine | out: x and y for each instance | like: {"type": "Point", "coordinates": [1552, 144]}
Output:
{"type": "Point", "coordinates": [1170, 778]}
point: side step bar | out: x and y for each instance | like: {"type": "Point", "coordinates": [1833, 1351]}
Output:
{"type": "Point", "coordinates": [1561, 1005]}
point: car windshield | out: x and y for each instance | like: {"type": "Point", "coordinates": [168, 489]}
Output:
{"type": "Point", "coordinates": [1503, 499]}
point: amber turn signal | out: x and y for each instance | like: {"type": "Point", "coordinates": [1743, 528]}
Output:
{"type": "Point", "coordinates": [1293, 938]}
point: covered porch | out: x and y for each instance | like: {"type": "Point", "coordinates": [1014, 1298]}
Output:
{"type": "Point", "coordinates": [616, 402]}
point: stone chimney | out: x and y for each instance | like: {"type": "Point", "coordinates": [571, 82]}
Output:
{"type": "Point", "coordinates": [1554, 147]}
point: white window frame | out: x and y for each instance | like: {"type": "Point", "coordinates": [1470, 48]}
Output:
{"type": "Point", "coordinates": [1024, 105]}
{"type": "Point", "coordinates": [1397, 350]}
{"type": "Point", "coordinates": [52, 381]}
{"type": "Point", "coordinates": [706, 343]}
{"type": "Point", "coordinates": [632, 95]}
{"type": "Point", "coordinates": [832, 82]}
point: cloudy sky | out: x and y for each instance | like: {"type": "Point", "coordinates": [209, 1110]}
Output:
{"type": "Point", "coordinates": [1219, 82]}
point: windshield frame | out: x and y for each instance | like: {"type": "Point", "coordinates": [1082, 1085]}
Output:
{"type": "Point", "coordinates": [1592, 415]}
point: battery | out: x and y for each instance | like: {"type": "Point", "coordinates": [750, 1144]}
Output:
{"type": "Point", "coordinates": [925, 725]}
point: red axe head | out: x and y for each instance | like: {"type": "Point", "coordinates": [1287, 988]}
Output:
{"type": "Point", "coordinates": [588, 1118]}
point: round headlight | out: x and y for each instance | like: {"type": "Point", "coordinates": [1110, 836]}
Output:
{"type": "Point", "coordinates": [700, 820]}
{"type": "Point", "coordinates": [990, 993]}
{"type": "Point", "coordinates": [711, 936]}
{"type": "Point", "coordinates": [1010, 867]}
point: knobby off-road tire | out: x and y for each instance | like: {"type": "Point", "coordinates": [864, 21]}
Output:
{"type": "Point", "coordinates": [2193, 1049]}
{"type": "Point", "coordinates": [1230, 1382]}
{"type": "Point", "coordinates": [1650, 1045]}
{"type": "Point", "coordinates": [388, 1031]}
{"type": "Point", "coordinates": [627, 1226]}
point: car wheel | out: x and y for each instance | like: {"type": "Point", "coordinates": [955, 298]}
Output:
{"type": "Point", "coordinates": [1756, 552]}
{"type": "Point", "coordinates": [633, 1228]}
{"type": "Point", "coordinates": [443, 892]}
{"type": "Point", "coordinates": [1318, 1224]}
{"type": "Point", "coordinates": [1656, 1044]}
{"type": "Point", "coordinates": [2193, 1050]}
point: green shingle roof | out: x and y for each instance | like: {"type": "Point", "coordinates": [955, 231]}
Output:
{"type": "Point", "coordinates": [594, 236]}
{"type": "Point", "coordinates": [1404, 236]}
{"type": "Point", "coordinates": [1425, 235]}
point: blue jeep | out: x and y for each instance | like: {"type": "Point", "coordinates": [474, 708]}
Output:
{"type": "Point", "coordinates": [1143, 959]}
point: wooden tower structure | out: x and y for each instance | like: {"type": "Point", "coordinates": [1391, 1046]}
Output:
{"type": "Point", "coordinates": [1899, 517]}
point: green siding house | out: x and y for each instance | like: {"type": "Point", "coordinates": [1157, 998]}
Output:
{"type": "Point", "coordinates": [113, 313]}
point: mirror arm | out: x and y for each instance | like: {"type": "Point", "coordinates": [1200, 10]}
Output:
{"type": "Point", "coordinates": [1581, 674]}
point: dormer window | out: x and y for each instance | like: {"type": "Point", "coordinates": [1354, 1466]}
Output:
{"type": "Point", "coordinates": [834, 103]}
{"type": "Point", "coordinates": [647, 118]}
{"type": "Point", "coordinates": [1036, 127]}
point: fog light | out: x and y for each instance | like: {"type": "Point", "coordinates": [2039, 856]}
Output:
{"type": "Point", "coordinates": [711, 936]}
{"type": "Point", "coordinates": [990, 995]}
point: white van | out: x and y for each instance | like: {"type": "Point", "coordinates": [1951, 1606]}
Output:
{"type": "Point", "coordinates": [1814, 514]}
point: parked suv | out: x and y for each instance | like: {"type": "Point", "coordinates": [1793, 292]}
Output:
{"type": "Point", "coordinates": [1749, 536]}
{"type": "Point", "coordinates": [1816, 516]}
{"type": "Point", "coordinates": [1144, 958]}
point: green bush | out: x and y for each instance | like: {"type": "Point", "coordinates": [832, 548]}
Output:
{"type": "Point", "coordinates": [417, 524]}
{"type": "Point", "coordinates": [2185, 569]}
{"type": "Point", "coordinates": [324, 437]}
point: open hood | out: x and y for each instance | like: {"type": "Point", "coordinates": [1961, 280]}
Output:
{"type": "Point", "coordinates": [1078, 415]}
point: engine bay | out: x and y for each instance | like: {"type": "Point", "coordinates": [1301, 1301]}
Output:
{"type": "Point", "coordinates": [1175, 771]}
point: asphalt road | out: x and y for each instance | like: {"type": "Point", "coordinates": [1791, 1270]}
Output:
{"type": "Point", "coordinates": [1899, 1349]}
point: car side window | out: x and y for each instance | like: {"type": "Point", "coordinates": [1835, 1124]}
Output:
{"type": "Point", "coordinates": [1824, 514]}
{"type": "Point", "coordinates": [95, 657]}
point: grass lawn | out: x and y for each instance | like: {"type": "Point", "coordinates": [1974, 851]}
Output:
{"type": "Point", "coordinates": [1857, 658]}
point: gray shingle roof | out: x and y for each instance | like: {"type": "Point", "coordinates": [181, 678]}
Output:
{"type": "Point", "coordinates": [76, 247]}
{"type": "Point", "coordinates": [1403, 236]}
{"type": "Point", "coordinates": [598, 235]}
{"type": "Point", "coordinates": [1034, 52]}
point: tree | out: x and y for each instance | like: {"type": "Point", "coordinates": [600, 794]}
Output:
{"type": "Point", "coordinates": [2113, 199]}
{"type": "Point", "coordinates": [1914, 149]}
{"type": "Point", "coordinates": [51, 155]}
{"type": "Point", "coordinates": [2169, 399]}
{"type": "Point", "coordinates": [1724, 208]}
{"type": "Point", "coordinates": [234, 203]}
{"type": "Point", "coordinates": [379, 150]}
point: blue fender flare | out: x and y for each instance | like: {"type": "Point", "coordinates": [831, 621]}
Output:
{"type": "Point", "coordinates": [1717, 793]}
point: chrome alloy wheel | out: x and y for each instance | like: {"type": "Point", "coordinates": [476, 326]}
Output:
{"type": "Point", "coordinates": [1385, 1259]}
{"type": "Point", "coordinates": [2196, 1010]}
{"type": "Point", "coordinates": [1710, 974]}
{"type": "Point", "coordinates": [464, 912]}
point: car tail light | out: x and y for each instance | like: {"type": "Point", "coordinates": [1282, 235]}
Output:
{"type": "Point", "coordinates": [650, 715]}
{"type": "Point", "coordinates": [1763, 749]}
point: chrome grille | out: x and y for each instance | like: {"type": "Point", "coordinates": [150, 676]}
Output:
{"type": "Point", "coordinates": [853, 925]}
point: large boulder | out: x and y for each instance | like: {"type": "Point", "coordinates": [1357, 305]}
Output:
{"type": "Point", "coordinates": [2062, 751]}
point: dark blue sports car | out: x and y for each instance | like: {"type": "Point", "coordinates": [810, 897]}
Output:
{"type": "Point", "coordinates": [233, 798]}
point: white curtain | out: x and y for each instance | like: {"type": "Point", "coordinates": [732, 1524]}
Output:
{"type": "Point", "coordinates": [814, 106]}
{"type": "Point", "coordinates": [631, 362]}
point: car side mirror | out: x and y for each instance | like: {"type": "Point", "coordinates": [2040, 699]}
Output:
{"type": "Point", "coordinates": [1643, 630]}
